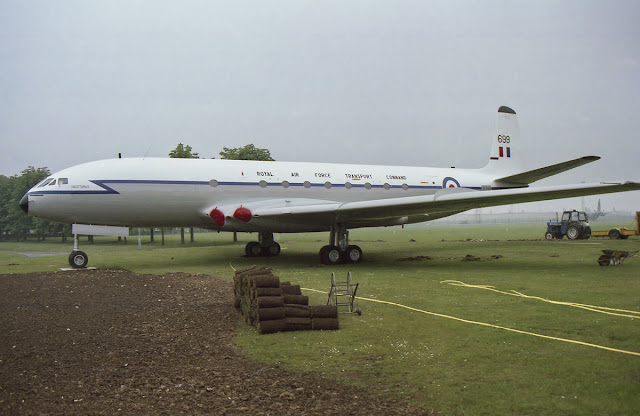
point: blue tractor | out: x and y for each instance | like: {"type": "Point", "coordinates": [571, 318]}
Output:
{"type": "Point", "coordinates": [573, 224]}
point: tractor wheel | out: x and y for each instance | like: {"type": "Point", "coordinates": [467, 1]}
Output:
{"type": "Point", "coordinates": [573, 232]}
{"type": "Point", "coordinates": [586, 233]}
{"type": "Point", "coordinates": [548, 236]}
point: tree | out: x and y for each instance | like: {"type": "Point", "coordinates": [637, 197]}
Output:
{"type": "Point", "coordinates": [6, 188]}
{"type": "Point", "coordinates": [17, 222]}
{"type": "Point", "coordinates": [248, 152]}
{"type": "Point", "coordinates": [183, 152]}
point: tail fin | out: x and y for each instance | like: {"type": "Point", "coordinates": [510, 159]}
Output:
{"type": "Point", "coordinates": [505, 162]}
{"type": "Point", "coordinates": [505, 155]}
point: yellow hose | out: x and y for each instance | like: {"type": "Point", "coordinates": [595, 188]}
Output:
{"type": "Point", "coordinates": [491, 325]}
{"type": "Point", "coordinates": [600, 309]}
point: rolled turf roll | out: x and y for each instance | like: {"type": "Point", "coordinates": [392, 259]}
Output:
{"type": "Point", "coordinates": [291, 290]}
{"type": "Point", "coordinates": [325, 323]}
{"type": "Point", "coordinates": [265, 281]}
{"type": "Point", "coordinates": [269, 314]}
{"type": "Point", "coordinates": [324, 311]}
{"type": "Point", "coordinates": [270, 302]}
{"type": "Point", "coordinates": [268, 291]}
{"type": "Point", "coordinates": [297, 311]}
{"type": "Point", "coordinates": [269, 327]}
{"type": "Point", "coordinates": [296, 299]}
{"type": "Point", "coordinates": [298, 324]}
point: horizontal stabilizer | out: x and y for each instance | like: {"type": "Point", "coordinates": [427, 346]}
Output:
{"type": "Point", "coordinates": [525, 178]}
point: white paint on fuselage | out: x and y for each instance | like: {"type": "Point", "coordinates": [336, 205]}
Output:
{"type": "Point", "coordinates": [179, 192]}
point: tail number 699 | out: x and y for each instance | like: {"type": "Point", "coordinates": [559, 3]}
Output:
{"type": "Point", "coordinates": [503, 139]}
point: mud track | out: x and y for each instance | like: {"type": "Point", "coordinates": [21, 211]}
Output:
{"type": "Point", "coordinates": [105, 342]}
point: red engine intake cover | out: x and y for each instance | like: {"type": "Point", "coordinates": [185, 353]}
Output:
{"type": "Point", "coordinates": [243, 214]}
{"type": "Point", "coordinates": [217, 216]}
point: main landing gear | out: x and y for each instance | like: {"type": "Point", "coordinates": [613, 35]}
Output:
{"type": "Point", "coordinates": [339, 251]}
{"type": "Point", "coordinates": [264, 247]}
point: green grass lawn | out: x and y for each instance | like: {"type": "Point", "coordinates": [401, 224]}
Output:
{"type": "Point", "coordinates": [442, 364]}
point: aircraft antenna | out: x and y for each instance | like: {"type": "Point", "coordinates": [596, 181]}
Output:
{"type": "Point", "coordinates": [153, 140]}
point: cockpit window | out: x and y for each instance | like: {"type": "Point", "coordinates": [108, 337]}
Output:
{"type": "Point", "coordinates": [53, 182]}
{"type": "Point", "coordinates": [63, 181]}
{"type": "Point", "coordinates": [45, 183]}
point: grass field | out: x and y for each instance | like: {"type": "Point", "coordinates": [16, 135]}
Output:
{"type": "Point", "coordinates": [450, 366]}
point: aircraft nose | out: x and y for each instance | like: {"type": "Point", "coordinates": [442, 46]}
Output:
{"type": "Point", "coordinates": [24, 203]}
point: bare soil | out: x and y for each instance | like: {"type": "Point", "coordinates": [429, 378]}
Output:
{"type": "Point", "coordinates": [112, 341]}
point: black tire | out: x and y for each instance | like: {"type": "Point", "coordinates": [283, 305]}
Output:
{"type": "Point", "coordinates": [624, 236]}
{"type": "Point", "coordinates": [614, 234]}
{"type": "Point", "coordinates": [586, 233]}
{"type": "Point", "coordinates": [353, 254]}
{"type": "Point", "coordinates": [252, 249]}
{"type": "Point", "coordinates": [573, 232]}
{"type": "Point", "coordinates": [271, 251]}
{"type": "Point", "coordinates": [548, 236]}
{"type": "Point", "coordinates": [78, 259]}
{"type": "Point", "coordinates": [330, 255]}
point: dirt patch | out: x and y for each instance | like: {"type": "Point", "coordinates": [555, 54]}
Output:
{"type": "Point", "coordinates": [416, 258]}
{"type": "Point", "coordinates": [109, 341]}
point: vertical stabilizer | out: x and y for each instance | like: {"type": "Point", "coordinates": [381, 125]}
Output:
{"type": "Point", "coordinates": [506, 157]}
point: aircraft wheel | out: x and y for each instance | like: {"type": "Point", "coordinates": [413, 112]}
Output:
{"type": "Point", "coordinates": [271, 251]}
{"type": "Point", "coordinates": [78, 259]}
{"type": "Point", "coordinates": [353, 254]}
{"type": "Point", "coordinates": [573, 232]}
{"type": "Point", "coordinates": [252, 249]}
{"type": "Point", "coordinates": [330, 255]}
{"type": "Point", "coordinates": [548, 236]}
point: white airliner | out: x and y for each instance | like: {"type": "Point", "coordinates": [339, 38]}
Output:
{"type": "Point", "coordinates": [289, 197]}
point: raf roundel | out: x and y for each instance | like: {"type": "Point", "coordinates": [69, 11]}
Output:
{"type": "Point", "coordinates": [450, 182]}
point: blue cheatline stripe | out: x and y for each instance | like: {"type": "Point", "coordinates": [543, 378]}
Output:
{"type": "Point", "coordinates": [107, 190]}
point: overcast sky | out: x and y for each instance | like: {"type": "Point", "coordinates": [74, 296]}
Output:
{"type": "Point", "coordinates": [357, 81]}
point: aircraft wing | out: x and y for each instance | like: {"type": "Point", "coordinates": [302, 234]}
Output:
{"type": "Point", "coordinates": [442, 203]}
